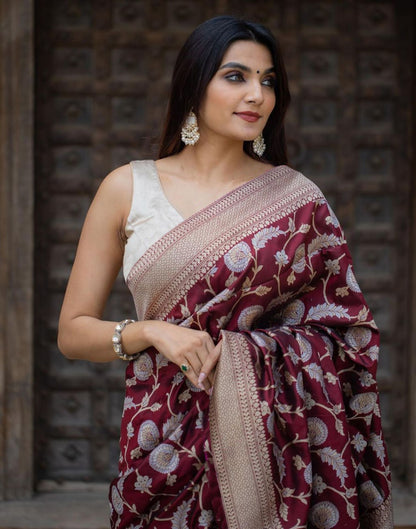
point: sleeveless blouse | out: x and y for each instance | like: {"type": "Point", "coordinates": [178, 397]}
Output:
{"type": "Point", "coordinates": [151, 215]}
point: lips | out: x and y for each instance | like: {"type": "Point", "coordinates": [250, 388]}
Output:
{"type": "Point", "coordinates": [249, 116]}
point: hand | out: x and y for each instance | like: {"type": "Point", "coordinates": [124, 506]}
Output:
{"type": "Point", "coordinates": [208, 367]}
{"type": "Point", "coordinates": [189, 347]}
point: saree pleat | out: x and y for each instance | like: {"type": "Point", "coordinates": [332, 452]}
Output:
{"type": "Point", "coordinates": [291, 437]}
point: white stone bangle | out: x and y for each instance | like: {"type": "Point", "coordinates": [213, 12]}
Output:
{"type": "Point", "coordinates": [116, 340]}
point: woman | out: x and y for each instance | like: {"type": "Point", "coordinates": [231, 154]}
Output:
{"type": "Point", "coordinates": [251, 399]}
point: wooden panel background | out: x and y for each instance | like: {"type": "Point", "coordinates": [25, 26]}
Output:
{"type": "Point", "coordinates": [16, 249]}
{"type": "Point", "coordinates": [103, 72]}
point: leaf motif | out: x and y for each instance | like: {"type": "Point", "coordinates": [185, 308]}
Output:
{"type": "Point", "coordinates": [292, 225]}
{"type": "Point", "coordinates": [322, 241]}
{"type": "Point", "coordinates": [145, 400]}
{"type": "Point", "coordinates": [291, 278]}
{"type": "Point", "coordinates": [156, 406]}
{"type": "Point", "coordinates": [339, 427]}
{"type": "Point", "coordinates": [180, 516]}
{"type": "Point", "coordinates": [247, 283]}
{"type": "Point", "coordinates": [185, 311]}
{"type": "Point", "coordinates": [304, 498]}
{"type": "Point", "coordinates": [230, 280]}
{"type": "Point", "coordinates": [376, 443]}
{"type": "Point", "coordinates": [260, 238]}
{"type": "Point", "coordinates": [184, 396]}
{"type": "Point", "coordinates": [363, 314]}
{"type": "Point", "coordinates": [319, 312]}
{"type": "Point", "coordinates": [299, 259]}
{"type": "Point", "coordinates": [224, 295]}
{"type": "Point", "coordinates": [305, 347]}
{"type": "Point", "coordinates": [315, 372]}
{"type": "Point", "coordinates": [330, 456]}
{"type": "Point", "coordinates": [283, 511]}
{"type": "Point", "coordinates": [262, 290]}
{"type": "Point", "coordinates": [128, 403]}
{"type": "Point", "coordinates": [286, 492]}
{"type": "Point", "coordinates": [351, 510]}
{"type": "Point", "coordinates": [351, 280]}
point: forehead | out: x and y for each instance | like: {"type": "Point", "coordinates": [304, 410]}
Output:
{"type": "Point", "coordinates": [247, 51]}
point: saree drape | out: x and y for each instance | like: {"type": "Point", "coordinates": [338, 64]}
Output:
{"type": "Point", "coordinates": [291, 437]}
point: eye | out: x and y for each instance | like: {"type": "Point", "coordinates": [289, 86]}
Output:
{"type": "Point", "coordinates": [269, 81]}
{"type": "Point", "coordinates": [235, 77]}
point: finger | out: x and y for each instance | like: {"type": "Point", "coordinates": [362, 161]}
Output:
{"type": "Point", "coordinates": [207, 369]}
{"type": "Point", "coordinates": [192, 372]}
{"type": "Point", "coordinates": [205, 379]}
{"type": "Point", "coordinates": [198, 360]}
{"type": "Point", "coordinates": [189, 372]}
{"type": "Point", "coordinates": [203, 382]}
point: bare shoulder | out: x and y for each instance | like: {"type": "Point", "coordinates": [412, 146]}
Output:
{"type": "Point", "coordinates": [116, 188]}
{"type": "Point", "coordinates": [112, 201]}
{"type": "Point", "coordinates": [119, 180]}
{"type": "Point", "coordinates": [169, 165]}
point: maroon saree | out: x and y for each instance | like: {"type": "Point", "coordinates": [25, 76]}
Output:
{"type": "Point", "coordinates": [291, 437]}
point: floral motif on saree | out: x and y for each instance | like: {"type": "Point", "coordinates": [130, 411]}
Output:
{"type": "Point", "coordinates": [291, 437]}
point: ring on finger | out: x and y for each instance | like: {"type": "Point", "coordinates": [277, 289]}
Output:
{"type": "Point", "coordinates": [185, 367]}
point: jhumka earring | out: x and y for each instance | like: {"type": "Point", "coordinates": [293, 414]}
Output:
{"type": "Point", "coordinates": [259, 146]}
{"type": "Point", "coordinates": [190, 132]}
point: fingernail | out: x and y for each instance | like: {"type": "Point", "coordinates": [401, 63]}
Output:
{"type": "Point", "coordinates": [209, 391]}
{"type": "Point", "coordinates": [201, 378]}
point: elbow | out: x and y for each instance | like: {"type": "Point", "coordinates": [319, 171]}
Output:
{"type": "Point", "coordinates": [64, 344]}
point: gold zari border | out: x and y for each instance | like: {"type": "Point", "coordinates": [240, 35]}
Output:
{"type": "Point", "coordinates": [239, 442]}
{"type": "Point", "coordinates": [380, 518]}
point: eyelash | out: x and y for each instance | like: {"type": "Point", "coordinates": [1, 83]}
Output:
{"type": "Point", "coordinates": [234, 75]}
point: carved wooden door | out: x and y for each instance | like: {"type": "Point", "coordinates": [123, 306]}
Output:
{"type": "Point", "coordinates": [103, 71]}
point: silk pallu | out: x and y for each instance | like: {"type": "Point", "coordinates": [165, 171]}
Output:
{"type": "Point", "coordinates": [291, 436]}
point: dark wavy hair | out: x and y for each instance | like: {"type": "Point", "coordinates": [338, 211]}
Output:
{"type": "Point", "coordinates": [197, 63]}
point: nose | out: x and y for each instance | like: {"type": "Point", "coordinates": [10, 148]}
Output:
{"type": "Point", "coordinates": [254, 92]}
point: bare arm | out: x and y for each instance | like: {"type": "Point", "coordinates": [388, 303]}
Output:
{"type": "Point", "coordinates": [82, 334]}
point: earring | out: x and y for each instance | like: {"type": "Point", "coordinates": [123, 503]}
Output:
{"type": "Point", "coordinates": [190, 132]}
{"type": "Point", "coordinates": [259, 146]}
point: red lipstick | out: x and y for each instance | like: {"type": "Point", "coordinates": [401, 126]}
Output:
{"type": "Point", "coordinates": [248, 116]}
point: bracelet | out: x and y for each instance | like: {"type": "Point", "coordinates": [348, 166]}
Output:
{"type": "Point", "coordinates": [116, 340]}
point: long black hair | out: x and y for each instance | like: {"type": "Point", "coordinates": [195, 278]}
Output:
{"type": "Point", "coordinates": [197, 63]}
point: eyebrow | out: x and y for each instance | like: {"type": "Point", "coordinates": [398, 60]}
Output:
{"type": "Point", "coordinates": [243, 67]}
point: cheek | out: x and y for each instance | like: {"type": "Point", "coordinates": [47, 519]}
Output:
{"type": "Point", "coordinates": [270, 103]}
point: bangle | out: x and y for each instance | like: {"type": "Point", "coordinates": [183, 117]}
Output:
{"type": "Point", "coordinates": [116, 340]}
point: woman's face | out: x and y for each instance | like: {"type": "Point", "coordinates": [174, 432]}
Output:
{"type": "Point", "coordinates": [240, 97]}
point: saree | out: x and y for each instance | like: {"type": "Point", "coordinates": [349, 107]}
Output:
{"type": "Point", "coordinates": [291, 436]}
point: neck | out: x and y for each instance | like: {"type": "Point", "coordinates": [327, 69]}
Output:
{"type": "Point", "coordinates": [215, 161]}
